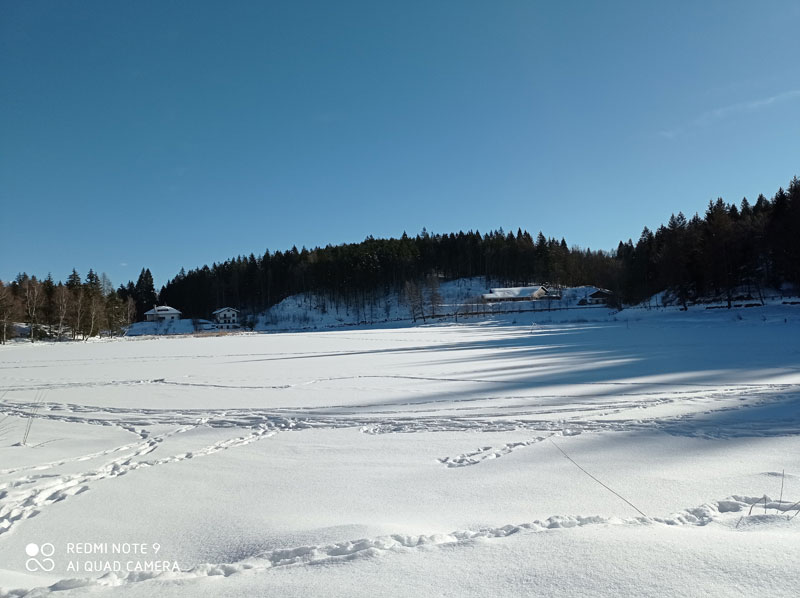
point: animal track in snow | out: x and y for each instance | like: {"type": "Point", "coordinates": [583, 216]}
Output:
{"type": "Point", "coordinates": [723, 511]}
{"type": "Point", "coordinates": [18, 503]}
{"type": "Point", "coordinates": [487, 452]}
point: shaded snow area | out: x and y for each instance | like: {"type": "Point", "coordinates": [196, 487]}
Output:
{"type": "Point", "coordinates": [450, 301]}
{"type": "Point", "coordinates": [655, 454]}
{"type": "Point", "coordinates": [312, 311]}
{"type": "Point", "coordinates": [184, 326]}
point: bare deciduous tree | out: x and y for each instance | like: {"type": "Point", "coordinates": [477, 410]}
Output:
{"type": "Point", "coordinates": [78, 309]}
{"type": "Point", "coordinates": [95, 314]}
{"type": "Point", "coordinates": [415, 300]}
{"type": "Point", "coordinates": [9, 310]}
{"type": "Point", "coordinates": [33, 297]}
{"type": "Point", "coordinates": [63, 299]}
{"type": "Point", "coordinates": [130, 311]}
{"type": "Point", "coordinates": [106, 286]}
{"type": "Point", "coordinates": [434, 296]}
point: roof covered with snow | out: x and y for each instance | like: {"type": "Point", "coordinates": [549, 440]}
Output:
{"type": "Point", "coordinates": [515, 292]}
{"type": "Point", "coordinates": [162, 310]}
{"type": "Point", "coordinates": [221, 309]}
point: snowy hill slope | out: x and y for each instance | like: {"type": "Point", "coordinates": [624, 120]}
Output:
{"type": "Point", "coordinates": [457, 299]}
{"type": "Point", "coordinates": [450, 301]}
{"type": "Point", "coordinates": [308, 310]}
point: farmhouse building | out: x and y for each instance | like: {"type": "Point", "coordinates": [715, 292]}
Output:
{"type": "Point", "coordinates": [162, 313]}
{"type": "Point", "coordinates": [227, 318]}
{"type": "Point", "coordinates": [535, 293]}
{"type": "Point", "coordinates": [599, 297]}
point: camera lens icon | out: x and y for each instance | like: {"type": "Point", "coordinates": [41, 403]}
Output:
{"type": "Point", "coordinates": [46, 550]}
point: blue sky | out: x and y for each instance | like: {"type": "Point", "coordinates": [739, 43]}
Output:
{"type": "Point", "coordinates": [169, 134]}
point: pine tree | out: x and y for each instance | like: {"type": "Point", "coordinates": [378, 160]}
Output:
{"type": "Point", "coordinates": [49, 307]}
{"type": "Point", "coordinates": [74, 280]}
{"type": "Point", "coordinates": [93, 286]}
{"type": "Point", "coordinates": [144, 293]}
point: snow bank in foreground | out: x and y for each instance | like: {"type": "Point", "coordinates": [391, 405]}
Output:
{"type": "Point", "coordinates": [731, 514]}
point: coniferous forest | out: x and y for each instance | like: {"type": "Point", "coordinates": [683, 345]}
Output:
{"type": "Point", "coordinates": [729, 246]}
{"type": "Point", "coordinates": [729, 249]}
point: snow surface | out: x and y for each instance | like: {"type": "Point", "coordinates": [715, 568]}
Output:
{"type": "Point", "coordinates": [412, 460]}
{"type": "Point", "coordinates": [460, 299]}
{"type": "Point", "coordinates": [310, 311]}
{"type": "Point", "coordinates": [167, 327]}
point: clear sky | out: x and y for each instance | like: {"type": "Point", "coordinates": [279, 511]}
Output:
{"type": "Point", "coordinates": [168, 134]}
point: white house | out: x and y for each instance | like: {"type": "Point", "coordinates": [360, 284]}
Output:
{"type": "Point", "coordinates": [227, 318]}
{"type": "Point", "coordinates": [162, 313]}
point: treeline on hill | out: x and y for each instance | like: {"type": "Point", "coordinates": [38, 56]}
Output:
{"type": "Point", "coordinates": [359, 273]}
{"type": "Point", "coordinates": [730, 247]}
{"type": "Point", "coordinates": [77, 308]}
{"type": "Point", "coordinates": [729, 250]}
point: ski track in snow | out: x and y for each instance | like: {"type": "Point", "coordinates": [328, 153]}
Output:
{"type": "Point", "coordinates": [31, 384]}
{"type": "Point", "coordinates": [27, 496]}
{"type": "Point", "coordinates": [536, 406]}
{"type": "Point", "coordinates": [723, 512]}
{"type": "Point", "coordinates": [584, 418]}
{"type": "Point", "coordinates": [39, 486]}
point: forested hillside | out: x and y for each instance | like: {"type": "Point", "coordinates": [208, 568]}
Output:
{"type": "Point", "coordinates": [729, 246]}
{"type": "Point", "coordinates": [750, 246]}
{"type": "Point", "coordinates": [728, 250]}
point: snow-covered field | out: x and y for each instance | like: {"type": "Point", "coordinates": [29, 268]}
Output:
{"type": "Point", "coordinates": [457, 299]}
{"type": "Point", "coordinates": [426, 461]}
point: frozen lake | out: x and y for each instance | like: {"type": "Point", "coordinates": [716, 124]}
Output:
{"type": "Point", "coordinates": [428, 461]}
